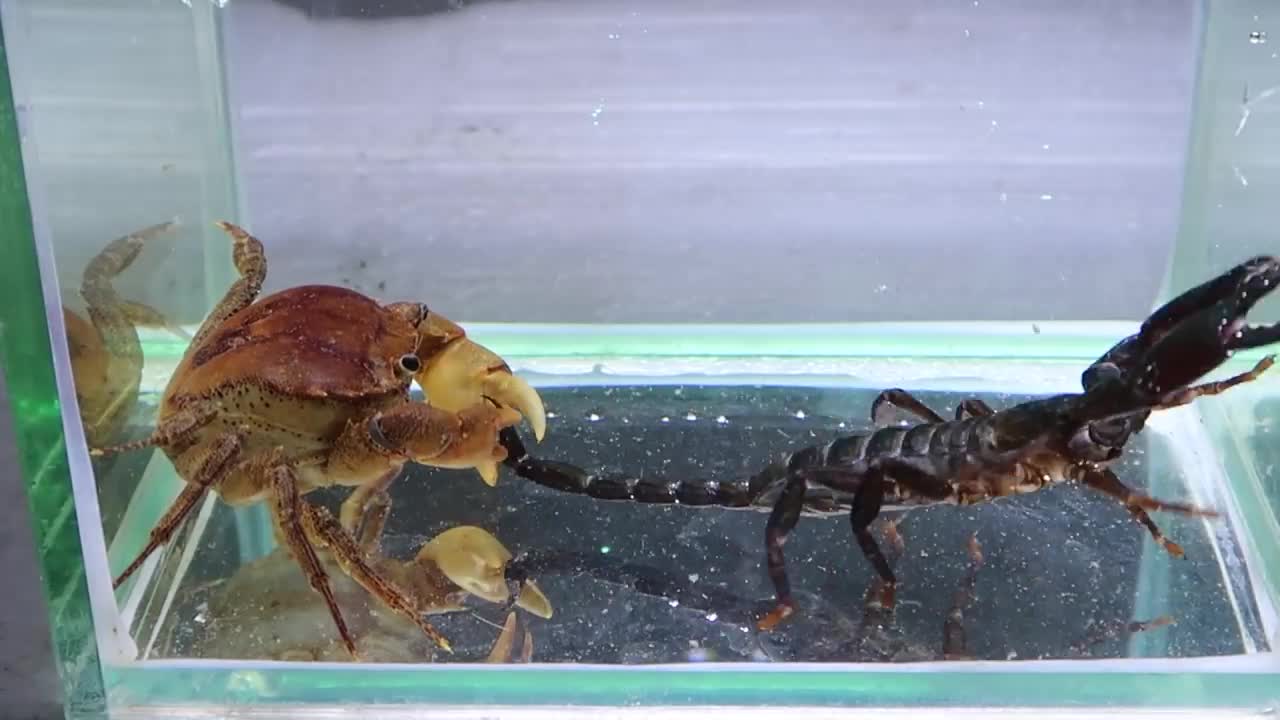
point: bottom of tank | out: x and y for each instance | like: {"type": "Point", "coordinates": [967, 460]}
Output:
{"type": "Point", "coordinates": [656, 604]}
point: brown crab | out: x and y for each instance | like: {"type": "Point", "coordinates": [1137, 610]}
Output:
{"type": "Point", "coordinates": [106, 354]}
{"type": "Point", "coordinates": [310, 387]}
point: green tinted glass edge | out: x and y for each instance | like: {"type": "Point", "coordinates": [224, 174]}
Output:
{"type": "Point", "coordinates": [27, 358]}
{"type": "Point", "coordinates": [1000, 340]}
{"type": "Point", "coordinates": [1105, 688]}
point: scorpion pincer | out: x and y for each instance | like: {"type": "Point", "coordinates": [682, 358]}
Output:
{"type": "Point", "coordinates": [981, 454]}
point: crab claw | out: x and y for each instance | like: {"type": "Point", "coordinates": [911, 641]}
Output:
{"type": "Point", "coordinates": [478, 447]}
{"type": "Point", "coordinates": [474, 560]}
{"type": "Point", "coordinates": [458, 373]}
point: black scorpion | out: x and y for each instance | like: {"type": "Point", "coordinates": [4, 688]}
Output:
{"type": "Point", "coordinates": [982, 454]}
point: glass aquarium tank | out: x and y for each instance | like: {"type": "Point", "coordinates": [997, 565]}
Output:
{"type": "Point", "coordinates": [479, 358]}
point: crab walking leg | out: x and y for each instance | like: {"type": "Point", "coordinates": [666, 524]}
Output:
{"type": "Point", "coordinates": [368, 503]}
{"type": "Point", "coordinates": [175, 428]}
{"type": "Point", "coordinates": [105, 306]}
{"type": "Point", "coordinates": [504, 647]}
{"type": "Point", "coordinates": [324, 530]}
{"type": "Point", "coordinates": [287, 508]}
{"type": "Point", "coordinates": [221, 457]}
{"type": "Point", "coordinates": [251, 260]}
{"type": "Point", "coordinates": [143, 315]}
{"type": "Point", "coordinates": [372, 524]}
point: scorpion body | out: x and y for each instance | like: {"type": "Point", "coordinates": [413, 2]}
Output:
{"type": "Point", "coordinates": [981, 454]}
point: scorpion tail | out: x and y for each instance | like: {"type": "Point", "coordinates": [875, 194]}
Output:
{"type": "Point", "coordinates": [568, 478]}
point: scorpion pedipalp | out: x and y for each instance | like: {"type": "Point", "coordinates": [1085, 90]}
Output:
{"type": "Point", "coordinates": [1188, 337]}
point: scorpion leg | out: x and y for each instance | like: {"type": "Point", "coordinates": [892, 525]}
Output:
{"type": "Point", "coordinates": [955, 644]}
{"type": "Point", "coordinates": [1102, 632]}
{"type": "Point", "coordinates": [973, 407]}
{"type": "Point", "coordinates": [1137, 504]}
{"type": "Point", "coordinates": [782, 519]}
{"type": "Point", "coordinates": [866, 507]}
{"type": "Point", "coordinates": [867, 487]}
{"type": "Point", "coordinates": [1186, 395]}
{"type": "Point", "coordinates": [903, 400]}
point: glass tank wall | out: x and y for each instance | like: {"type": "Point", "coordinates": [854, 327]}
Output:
{"type": "Point", "coordinates": [708, 235]}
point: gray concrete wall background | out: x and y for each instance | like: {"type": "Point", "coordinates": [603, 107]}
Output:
{"type": "Point", "coordinates": [722, 161]}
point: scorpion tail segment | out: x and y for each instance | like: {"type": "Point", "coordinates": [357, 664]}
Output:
{"type": "Point", "coordinates": [569, 478]}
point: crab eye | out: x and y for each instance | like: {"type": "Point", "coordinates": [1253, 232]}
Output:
{"type": "Point", "coordinates": [410, 363]}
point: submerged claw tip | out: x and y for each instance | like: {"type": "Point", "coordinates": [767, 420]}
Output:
{"type": "Point", "coordinates": [534, 601]}
{"type": "Point", "coordinates": [488, 472]}
{"type": "Point", "coordinates": [519, 394]}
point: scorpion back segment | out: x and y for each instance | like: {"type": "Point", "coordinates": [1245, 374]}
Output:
{"type": "Point", "coordinates": [982, 454]}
